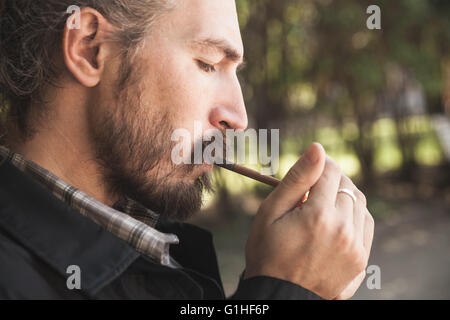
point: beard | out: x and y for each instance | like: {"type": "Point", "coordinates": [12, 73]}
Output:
{"type": "Point", "coordinates": [133, 148]}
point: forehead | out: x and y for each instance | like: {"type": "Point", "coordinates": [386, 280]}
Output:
{"type": "Point", "coordinates": [201, 19]}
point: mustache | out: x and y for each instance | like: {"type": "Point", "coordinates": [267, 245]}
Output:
{"type": "Point", "coordinates": [202, 144]}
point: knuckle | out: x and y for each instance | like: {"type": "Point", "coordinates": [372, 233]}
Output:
{"type": "Point", "coordinates": [320, 220]}
{"type": "Point", "coordinates": [332, 168]}
{"type": "Point", "coordinates": [369, 220]}
{"type": "Point", "coordinates": [344, 236]}
{"type": "Point", "coordinates": [370, 217]}
{"type": "Point", "coordinates": [346, 179]}
{"type": "Point", "coordinates": [361, 196]}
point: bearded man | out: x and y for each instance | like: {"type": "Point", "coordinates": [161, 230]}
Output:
{"type": "Point", "coordinates": [87, 184]}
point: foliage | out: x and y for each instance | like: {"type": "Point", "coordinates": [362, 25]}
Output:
{"type": "Point", "coordinates": [315, 71]}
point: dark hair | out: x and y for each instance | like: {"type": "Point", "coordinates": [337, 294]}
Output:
{"type": "Point", "coordinates": [31, 33]}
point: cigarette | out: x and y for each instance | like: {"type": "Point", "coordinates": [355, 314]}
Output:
{"type": "Point", "coordinates": [255, 175]}
{"type": "Point", "coordinates": [249, 173]}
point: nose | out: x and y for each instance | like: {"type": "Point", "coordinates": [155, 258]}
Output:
{"type": "Point", "coordinates": [230, 111]}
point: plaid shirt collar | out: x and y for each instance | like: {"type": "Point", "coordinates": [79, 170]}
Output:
{"type": "Point", "coordinates": [128, 220]}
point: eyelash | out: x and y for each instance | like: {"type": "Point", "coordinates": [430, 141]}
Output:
{"type": "Point", "coordinates": [206, 67]}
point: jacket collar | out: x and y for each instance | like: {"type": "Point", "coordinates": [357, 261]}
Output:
{"type": "Point", "coordinates": [58, 234]}
{"type": "Point", "coordinates": [129, 221]}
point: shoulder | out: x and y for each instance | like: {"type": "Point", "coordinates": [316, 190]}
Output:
{"type": "Point", "coordinates": [22, 275]}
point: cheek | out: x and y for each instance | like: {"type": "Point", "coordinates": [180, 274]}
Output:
{"type": "Point", "coordinates": [182, 89]}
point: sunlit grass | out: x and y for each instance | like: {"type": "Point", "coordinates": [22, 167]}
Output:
{"type": "Point", "coordinates": [428, 151]}
{"type": "Point", "coordinates": [384, 128]}
{"type": "Point", "coordinates": [387, 156]}
{"type": "Point", "coordinates": [349, 164]}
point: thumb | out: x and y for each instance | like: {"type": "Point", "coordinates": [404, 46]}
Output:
{"type": "Point", "coordinates": [299, 180]}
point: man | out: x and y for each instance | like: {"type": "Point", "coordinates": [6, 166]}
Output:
{"type": "Point", "coordinates": [91, 205]}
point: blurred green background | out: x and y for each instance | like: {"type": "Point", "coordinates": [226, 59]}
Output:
{"type": "Point", "coordinates": [378, 101]}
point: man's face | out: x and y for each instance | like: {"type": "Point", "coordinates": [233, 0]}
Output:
{"type": "Point", "coordinates": [185, 72]}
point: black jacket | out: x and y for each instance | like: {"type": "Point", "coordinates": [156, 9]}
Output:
{"type": "Point", "coordinates": [41, 236]}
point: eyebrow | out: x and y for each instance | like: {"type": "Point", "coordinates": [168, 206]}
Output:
{"type": "Point", "coordinates": [224, 46]}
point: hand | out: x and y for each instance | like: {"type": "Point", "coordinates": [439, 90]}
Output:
{"type": "Point", "coordinates": [324, 245]}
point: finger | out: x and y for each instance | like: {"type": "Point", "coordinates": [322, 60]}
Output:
{"type": "Point", "coordinates": [359, 217]}
{"type": "Point", "coordinates": [325, 190]}
{"type": "Point", "coordinates": [344, 201]}
{"type": "Point", "coordinates": [369, 228]}
{"type": "Point", "coordinates": [300, 178]}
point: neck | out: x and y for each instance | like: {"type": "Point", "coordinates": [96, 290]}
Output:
{"type": "Point", "coordinates": [63, 147]}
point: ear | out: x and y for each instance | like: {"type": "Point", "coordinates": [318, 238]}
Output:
{"type": "Point", "coordinates": [84, 48]}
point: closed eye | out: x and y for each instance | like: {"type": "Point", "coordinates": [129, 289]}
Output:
{"type": "Point", "coordinates": [205, 66]}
